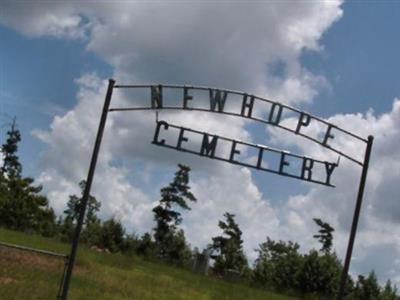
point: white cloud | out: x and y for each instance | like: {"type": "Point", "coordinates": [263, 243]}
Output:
{"type": "Point", "coordinates": [381, 209]}
{"type": "Point", "coordinates": [43, 18]}
{"type": "Point", "coordinates": [229, 44]}
{"type": "Point", "coordinates": [231, 190]}
{"type": "Point", "coordinates": [226, 44]}
{"type": "Point", "coordinates": [253, 47]}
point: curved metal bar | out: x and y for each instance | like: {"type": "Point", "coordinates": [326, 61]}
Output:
{"type": "Point", "coordinates": [239, 115]}
{"type": "Point", "coordinates": [176, 86]}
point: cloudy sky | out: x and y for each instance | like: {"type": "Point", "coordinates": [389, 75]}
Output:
{"type": "Point", "coordinates": [333, 59]}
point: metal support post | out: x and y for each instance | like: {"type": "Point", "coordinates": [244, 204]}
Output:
{"type": "Point", "coordinates": [86, 193]}
{"type": "Point", "coordinates": [356, 216]}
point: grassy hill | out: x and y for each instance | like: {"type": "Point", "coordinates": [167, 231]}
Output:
{"type": "Point", "coordinates": [106, 276]}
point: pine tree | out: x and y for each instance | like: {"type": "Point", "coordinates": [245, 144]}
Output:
{"type": "Point", "coordinates": [167, 237]}
{"type": "Point", "coordinates": [74, 207]}
{"type": "Point", "coordinates": [91, 222]}
{"type": "Point", "coordinates": [367, 288]}
{"type": "Point", "coordinates": [325, 236]}
{"type": "Point", "coordinates": [11, 168]}
{"type": "Point", "coordinates": [227, 249]}
{"type": "Point", "coordinates": [389, 292]}
{"type": "Point", "coordinates": [146, 247]}
{"type": "Point", "coordinates": [321, 273]}
{"type": "Point", "coordinates": [22, 207]}
{"type": "Point", "coordinates": [111, 236]}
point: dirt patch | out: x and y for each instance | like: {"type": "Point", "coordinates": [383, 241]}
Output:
{"type": "Point", "coordinates": [6, 280]}
{"type": "Point", "coordinates": [10, 256]}
{"type": "Point", "coordinates": [25, 259]}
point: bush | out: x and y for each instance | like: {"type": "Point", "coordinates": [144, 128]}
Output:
{"type": "Point", "coordinates": [277, 265]}
{"type": "Point", "coordinates": [320, 274]}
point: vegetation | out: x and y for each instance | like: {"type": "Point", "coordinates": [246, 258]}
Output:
{"type": "Point", "coordinates": [277, 266]}
{"type": "Point", "coordinates": [324, 235]}
{"type": "Point", "coordinates": [170, 241]}
{"type": "Point", "coordinates": [280, 266]}
{"type": "Point", "coordinates": [227, 251]}
{"type": "Point", "coordinates": [104, 276]}
{"type": "Point", "coordinates": [22, 207]}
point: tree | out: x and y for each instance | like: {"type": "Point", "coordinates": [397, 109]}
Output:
{"type": "Point", "coordinates": [11, 168]}
{"type": "Point", "coordinates": [277, 265]}
{"type": "Point", "coordinates": [111, 236]}
{"type": "Point", "coordinates": [74, 207]}
{"type": "Point", "coordinates": [389, 292]}
{"type": "Point", "coordinates": [173, 197]}
{"type": "Point", "coordinates": [227, 249]}
{"type": "Point", "coordinates": [146, 247]}
{"type": "Point", "coordinates": [22, 207]}
{"type": "Point", "coordinates": [325, 236]}
{"type": "Point", "coordinates": [91, 223]}
{"type": "Point", "coordinates": [179, 252]}
{"type": "Point", "coordinates": [320, 274]}
{"type": "Point", "coordinates": [367, 288]}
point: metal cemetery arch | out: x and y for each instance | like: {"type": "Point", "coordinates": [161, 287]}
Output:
{"type": "Point", "coordinates": [217, 99]}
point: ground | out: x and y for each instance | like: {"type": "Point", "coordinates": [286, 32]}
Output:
{"type": "Point", "coordinates": [106, 276]}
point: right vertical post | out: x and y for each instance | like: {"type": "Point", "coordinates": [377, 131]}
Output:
{"type": "Point", "coordinates": [340, 295]}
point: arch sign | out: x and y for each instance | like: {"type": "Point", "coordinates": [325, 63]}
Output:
{"type": "Point", "coordinates": [212, 146]}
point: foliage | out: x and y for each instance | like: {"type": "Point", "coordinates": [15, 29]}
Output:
{"type": "Point", "coordinates": [367, 288]}
{"type": "Point", "coordinates": [91, 223]}
{"type": "Point", "coordinates": [22, 207]}
{"type": "Point", "coordinates": [11, 168]}
{"type": "Point", "coordinates": [170, 242]}
{"type": "Point", "coordinates": [227, 251]}
{"type": "Point", "coordinates": [74, 206]}
{"type": "Point", "coordinates": [101, 276]}
{"type": "Point", "coordinates": [389, 292]}
{"type": "Point", "coordinates": [277, 265]}
{"type": "Point", "coordinates": [147, 246]}
{"type": "Point", "coordinates": [111, 236]}
{"type": "Point", "coordinates": [325, 235]}
{"type": "Point", "coordinates": [320, 274]}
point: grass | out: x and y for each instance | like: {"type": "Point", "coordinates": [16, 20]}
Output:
{"type": "Point", "coordinates": [106, 276]}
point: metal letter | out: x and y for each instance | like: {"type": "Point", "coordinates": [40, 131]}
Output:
{"type": "Point", "coordinates": [247, 103]}
{"type": "Point", "coordinates": [329, 167]}
{"type": "Point", "coordinates": [278, 114]}
{"type": "Point", "coordinates": [217, 98]}
{"type": "Point", "coordinates": [210, 143]}
{"type": "Point", "coordinates": [260, 157]}
{"type": "Point", "coordinates": [304, 120]}
{"type": "Point", "coordinates": [156, 96]}
{"type": "Point", "coordinates": [328, 135]}
{"type": "Point", "coordinates": [308, 164]}
{"type": "Point", "coordinates": [233, 151]}
{"type": "Point", "coordinates": [181, 138]}
{"type": "Point", "coordinates": [207, 147]}
{"type": "Point", "coordinates": [186, 97]}
{"type": "Point", "coordinates": [157, 132]}
{"type": "Point", "coordinates": [283, 163]}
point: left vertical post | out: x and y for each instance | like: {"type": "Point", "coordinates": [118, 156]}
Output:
{"type": "Point", "coordinates": [74, 247]}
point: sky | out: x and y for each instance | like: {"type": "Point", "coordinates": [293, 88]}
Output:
{"type": "Point", "coordinates": [337, 60]}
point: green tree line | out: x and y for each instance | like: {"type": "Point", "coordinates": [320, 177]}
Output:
{"type": "Point", "coordinates": [279, 266]}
